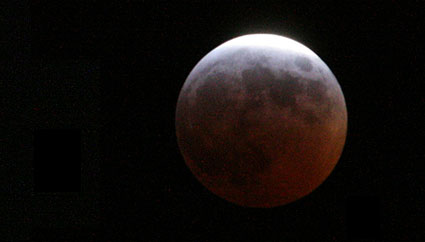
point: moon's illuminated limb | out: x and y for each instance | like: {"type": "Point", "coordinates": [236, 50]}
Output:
{"type": "Point", "coordinates": [269, 40]}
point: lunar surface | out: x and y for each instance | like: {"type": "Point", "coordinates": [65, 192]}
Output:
{"type": "Point", "coordinates": [261, 121]}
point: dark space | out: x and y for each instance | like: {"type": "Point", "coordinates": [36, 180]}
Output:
{"type": "Point", "coordinates": [114, 72]}
{"type": "Point", "coordinates": [51, 146]}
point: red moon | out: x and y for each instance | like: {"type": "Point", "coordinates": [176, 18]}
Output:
{"type": "Point", "coordinates": [261, 121]}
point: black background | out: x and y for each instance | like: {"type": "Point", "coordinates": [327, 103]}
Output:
{"type": "Point", "coordinates": [115, 71]}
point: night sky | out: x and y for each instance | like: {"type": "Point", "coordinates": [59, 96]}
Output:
{"type": "Point", "coordinates": [114, 72]}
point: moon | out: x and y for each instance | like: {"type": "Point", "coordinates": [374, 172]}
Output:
{"type": "Point", "coordinates": [261, 121]}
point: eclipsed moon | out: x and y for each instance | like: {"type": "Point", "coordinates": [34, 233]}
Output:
{"type": "Point", "coordinates": [261, 121]}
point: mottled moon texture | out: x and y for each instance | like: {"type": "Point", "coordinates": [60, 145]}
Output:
{"type": "Point", "coordinates": [261, 121]}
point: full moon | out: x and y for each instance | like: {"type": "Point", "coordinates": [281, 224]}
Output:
{"type": "Point", "coordinates": [261, 121]}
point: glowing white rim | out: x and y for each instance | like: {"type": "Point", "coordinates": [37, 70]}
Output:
{"type": "Point", "coordinates": [269, 40]}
